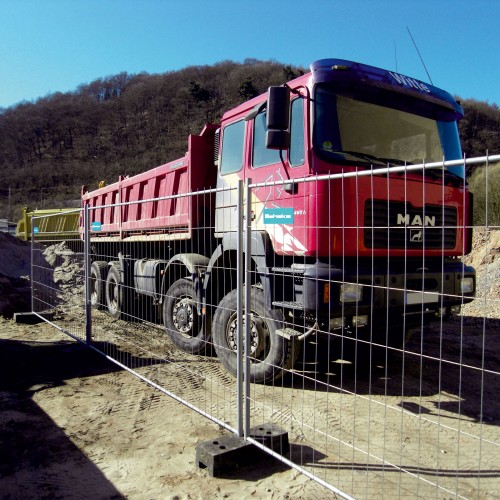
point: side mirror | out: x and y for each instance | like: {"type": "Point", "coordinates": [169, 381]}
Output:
{"type": "Point", "coordinates": [277, 139]}
{"type": "Point", "coordinates": [277, 118]}
{"type": "Point", "coordinates": [278, 108]}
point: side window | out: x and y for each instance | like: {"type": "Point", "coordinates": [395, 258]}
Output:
{"type": "Point", "coordinates": [297, 151]}
{"type": "Point", "coordinates": [232, 148]}
{"type": "Point", "coordinates": [262, 156]}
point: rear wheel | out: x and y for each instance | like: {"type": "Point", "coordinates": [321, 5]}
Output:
{"type": "Point", "coordinates": [98, 284]}
{"type": "Point", "coordinates": [270, 353]}
{"type": "Point", "coordinates": [184, 325]}
{"type": "Point", "coordinates": [114, 293]}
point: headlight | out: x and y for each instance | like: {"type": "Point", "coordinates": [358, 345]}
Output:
{"type": "Point", "coordinates": [336, 323]}
{"type": "Point", "coordinates": [360, 320]}
{"type": "Point", "coordinates": [467, 285]}
{"type": "Point", "coordinates": [351, 292]}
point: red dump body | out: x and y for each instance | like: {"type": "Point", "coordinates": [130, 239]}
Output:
{"type": "Point", "coordinates": [120, 217]}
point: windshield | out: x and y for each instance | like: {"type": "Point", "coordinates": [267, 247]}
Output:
{"type": "Point", "coordinates": [377, 127]}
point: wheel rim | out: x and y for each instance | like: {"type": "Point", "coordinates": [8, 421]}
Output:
{"type": "Point", "coordinates": [259, 337]}
{"type": "Point", "coordinates": [93, 288]}
{"type": "Point", "coordinates": [113, 294]}
{"type": "Point", "coordinates": [183, 316]}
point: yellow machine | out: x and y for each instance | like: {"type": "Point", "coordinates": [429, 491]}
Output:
{"type": "Point", "coordinates": [56, 223]}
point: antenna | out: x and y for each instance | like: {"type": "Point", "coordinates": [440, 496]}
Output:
{"type": "Point", "coordinates": [418, 52]}
{"type": "Point", "coordinates": [395, 56]}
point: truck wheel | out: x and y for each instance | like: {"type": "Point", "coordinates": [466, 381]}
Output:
{"type": "Point", "coordinates": [182, 322]}
{"type": "Point", "coordinates": [271, 354]}
{"type": "Point", "coordinates": [98, 284]}
{"type": "Point", "coordinates": [394, 336]}
{"type": "Point", "coordinates": [114, 293]}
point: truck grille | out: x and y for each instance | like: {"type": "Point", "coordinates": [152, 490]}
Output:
{"type": "Point", "coordinates": [401, 225]}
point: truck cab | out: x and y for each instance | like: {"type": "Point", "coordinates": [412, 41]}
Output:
{"type": "Point", "coordinates": [341, 237]}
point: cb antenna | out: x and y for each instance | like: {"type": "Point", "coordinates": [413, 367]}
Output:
{"type": "Point", "coordinates": [395, 56]}
{"type": "Point", "coordinates": [418, 52]}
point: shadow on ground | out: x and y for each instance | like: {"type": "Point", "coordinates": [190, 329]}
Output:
{"type": "Point", "coordinates": [37, 459]}
{"type": "Point", "coordinates": [460, 357]}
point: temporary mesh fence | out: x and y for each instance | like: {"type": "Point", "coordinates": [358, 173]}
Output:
{"type": "Point", "coordinates": [253, 309]}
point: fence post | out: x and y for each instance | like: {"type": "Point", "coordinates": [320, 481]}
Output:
{"type": "Point", "coordinates": [86, 265]}
{"type": "Point", "coordinates": [239, 309]}
{"type": "Point", "coordinates": [32, 231]}
{"type": "Point", "coordinates": [248, 282]}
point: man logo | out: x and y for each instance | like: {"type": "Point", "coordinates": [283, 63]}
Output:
{"type": "Point", "coordinates": [416, 235]}
{"type": "Point", "coordinates": [417, 220]}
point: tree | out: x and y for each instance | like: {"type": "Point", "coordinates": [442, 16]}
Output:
{"type": "Point", "coordinates": [480, 128]}
{"type": "Point", "coordinates": [247, 89]}
{"type": "Point", "coordinates": [198, 93]}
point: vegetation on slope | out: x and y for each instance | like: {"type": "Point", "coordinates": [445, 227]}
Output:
{"type": "Point", "coordinates": [124, 124]}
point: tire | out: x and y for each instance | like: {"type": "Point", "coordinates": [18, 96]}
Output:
{"type": "Point", "coordinates": [114, 293]}
{"type": "Point", "coordinates": [98, 271]}
{"type": "Point", "coordinates": [393, 336]}
{"type": "Point", "coordinates": [184, 325]}
{"type": "Point", "coordinates": [271, 354]}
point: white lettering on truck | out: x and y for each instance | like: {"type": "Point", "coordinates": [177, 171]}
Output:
{"type": "Point", "coordinates": [409, 82]}
{"type": "Point", "coordinates": [404, 219]}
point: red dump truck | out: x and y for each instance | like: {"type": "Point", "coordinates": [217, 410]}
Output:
{"type": "Point", "coordinates": [365, 256]}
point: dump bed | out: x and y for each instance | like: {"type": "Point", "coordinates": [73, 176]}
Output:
{"type": "Point", "coordinates": [119, 212]}
{"type": "Point", "coordinates": [50, 223]}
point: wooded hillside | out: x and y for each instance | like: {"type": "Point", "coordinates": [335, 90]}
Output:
{"type": "Point", "coordinates": [125, 124]}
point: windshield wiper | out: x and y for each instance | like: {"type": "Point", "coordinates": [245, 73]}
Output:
{"type": "Point", "coordinates": [372, 158]}
{"type": "Point", "coordinates": [436, 174]}
{"type": "Point", "coordinates": [432, 173]}
{"type": "Point", "coordinates": [446, 175]}
{"type": "Point", "coordinates": [397, 161]}
{"type": "Point", "coordinates": [363, 156]}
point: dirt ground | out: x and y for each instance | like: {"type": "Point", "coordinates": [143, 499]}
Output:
{"type": "Point", "coordinates": [72, 424]}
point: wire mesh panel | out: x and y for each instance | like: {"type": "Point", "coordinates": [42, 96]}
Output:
{"type": "Point", "coordinates": [356, 312]}
{"type": "Point", "coordinates": [153, 290]}
{"type": "Point", "coordinates": [57, 271]}
{"type": "Point", "coordinates": [384, 368]}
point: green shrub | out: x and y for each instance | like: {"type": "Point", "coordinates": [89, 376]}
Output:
{"type": "Point", "coordinates": [484, 183]}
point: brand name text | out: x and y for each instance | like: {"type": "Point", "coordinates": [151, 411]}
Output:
{"type": "Point", "coordinates": [416, 220]}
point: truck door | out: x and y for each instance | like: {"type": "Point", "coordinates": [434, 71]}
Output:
{"type": "Point", "coordinates": [279, 210]}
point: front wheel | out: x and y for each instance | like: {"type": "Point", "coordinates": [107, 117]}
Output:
{"type": "Point", "coordinates": [270, 353]}
{"type": "Point", "coordinates": [182, 322]}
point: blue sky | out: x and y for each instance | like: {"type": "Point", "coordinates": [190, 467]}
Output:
{"type": "Point", "coordinates": [55, 45]}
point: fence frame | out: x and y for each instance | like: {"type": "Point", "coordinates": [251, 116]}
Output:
{"type": "Point", "coordinates": [244, 229]}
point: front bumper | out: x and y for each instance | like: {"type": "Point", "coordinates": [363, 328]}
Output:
{"type": "Point", "coordinates": [370, 290]}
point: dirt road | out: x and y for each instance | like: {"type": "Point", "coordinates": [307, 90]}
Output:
{"type": "Point", "coordinates": [72, 425]}
{"type": "Point", "coordinates": [420, 423]}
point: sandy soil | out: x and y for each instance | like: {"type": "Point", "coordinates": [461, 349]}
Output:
{"type": "Point", "coordinates": [74, 425]}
